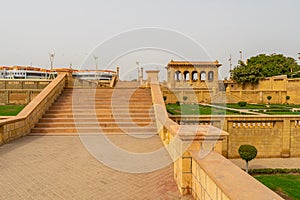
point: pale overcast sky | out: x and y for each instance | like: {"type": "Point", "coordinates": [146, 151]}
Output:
{"type": "Point", "coordinates": [72, 28]}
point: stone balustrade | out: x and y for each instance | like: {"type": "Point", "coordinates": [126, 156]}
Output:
{"type": "Point", "coordinates": [14, 127]}
{"type": "Point", "coordinates": [23, 84]}
{"type": "Point", "coordinates": [272, 135]}
{"type": "Point", "coordinates": [199, 167]}
{"type": "Point", "coordinates": [215, 177]}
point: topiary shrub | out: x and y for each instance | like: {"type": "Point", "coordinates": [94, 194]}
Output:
{"type": "Point", "coordinates": [184, 98]}
{"type": "Point", "coordinates": [242, 104]}
{"type": "Point", "coordinates": [165, 98]}
{"type": "Point", "coordinates": [287, 99]}
{"type": "Point", "coordinates": [269, 98]}
{"type": "Point", "coordinates": [247, 153]}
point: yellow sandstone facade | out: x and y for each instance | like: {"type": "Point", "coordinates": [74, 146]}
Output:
{"type": "Point", "coordinates": [273, 135]}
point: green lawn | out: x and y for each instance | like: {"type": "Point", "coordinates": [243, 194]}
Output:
{"type": "Point", "coordinates": [256, 106]}
{"type": "Point", "coordinates": [288, 184]}
{"type": "Point", "coordinates": [10, 110]}
{"type": "Point", "coordinates": [190, 109]}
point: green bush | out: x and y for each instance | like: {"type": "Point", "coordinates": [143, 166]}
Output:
{"type": "Point", "coordinates": [273, 171]}
{"type": "Point", "coordinates": [184, 98]}
{"type": "Point", "coordinates": [247, 153]}
{"type": "Point", "coordinates": [165, 98]}
{"type": "Point", "coordinates": [242, 104]}
{"type": "Point", "coordinates": [177, 103]}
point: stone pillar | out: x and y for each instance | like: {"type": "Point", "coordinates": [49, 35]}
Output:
{"type": "Point", "coordinates": [200, 138]}
{"type": "Point", "coordinates": [152, 76]}
{"type": "Point", "coordinates": [286, 136]}
{"type": "Point", "coordinates": [118, 73]}
{"type": "Point", "coordinates": [142, 76]}
{"type": "Point", "coordinates": [191, 78]}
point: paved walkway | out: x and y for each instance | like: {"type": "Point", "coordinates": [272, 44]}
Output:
{"type": "Point", "coordinates": [289, 163]}
{"type": "Point", "coordinates": [59, 167]}
{"type": "Point", "coordinates": [233, 109]}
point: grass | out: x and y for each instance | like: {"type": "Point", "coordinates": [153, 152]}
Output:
{"type": "Point", "coordinates": [255, 106]}
{"type": "Point", "coordinates": [10, 110]}
{"type": "Point", "coordinates": [190, 109]}
{"type": "Point", "coordinates": [282, 113]}
{"type": "Point", "coordinates": [288, 184]}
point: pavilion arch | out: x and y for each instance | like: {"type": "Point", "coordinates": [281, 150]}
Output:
{"type": "Point", "coordinates": [211, 76]}
{"type": "Point", "coordinates": [178, 76]}
{"type": "Point", "coordinates": [186, 75]}
{"type": "Point", "coordinates": [203, 76]}
{"type": "Point", "coordinates": [195, 76]}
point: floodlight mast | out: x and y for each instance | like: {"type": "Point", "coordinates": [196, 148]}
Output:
{"type": "Point", "coordinates": [51, 57]}
{"type": "Point", "coordinates": [138, 68]}
{"type": "Point", "coordinates": [230, 65]}
{"type": "Point", "coordinates": [96, 65]}
{"type": "Point", "coordinates": [241, 55]}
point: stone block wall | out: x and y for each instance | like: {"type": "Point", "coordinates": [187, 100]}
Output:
{"type": "Point", "coordinates": [20, 125]}
{"type": "Point", "coordinates": [216, 178]}
{"type": "Point", "coordinates": [20, 91]}
{"type": "Point", "coordinates": [211, 177]}
{"type": "Point", "coordinates": [273, 136]}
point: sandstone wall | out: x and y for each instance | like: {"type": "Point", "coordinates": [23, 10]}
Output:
{"type": "Point", "coordinates": [273, 136]}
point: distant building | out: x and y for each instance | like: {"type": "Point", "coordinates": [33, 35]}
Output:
{"type": "Point", "coordinates": [191, 74]}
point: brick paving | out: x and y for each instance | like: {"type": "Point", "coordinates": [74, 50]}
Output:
{"type": "Point", "coordinates": [59, 167]}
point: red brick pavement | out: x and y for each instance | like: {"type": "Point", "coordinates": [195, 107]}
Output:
{"type": "Point", "coordinates": [59, 167]}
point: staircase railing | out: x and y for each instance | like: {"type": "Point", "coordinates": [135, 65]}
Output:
{"type": "Point", "coordinates": [206, 177]}
{"type": "Point", "coordinates": [20, 125]}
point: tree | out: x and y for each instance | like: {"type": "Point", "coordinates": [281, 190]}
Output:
{"type": "Point", "coordinates": [165, 98]}
{"type": "Point", "coordinates": [287, 99]}
{"type": "Point", "coordinates": [269, 98]}
{"type": "Point", "coordinates": [247, 153]}
{"type": "Point", "coordinates": [261, 66]}
{"type": "Point", "coordinates": [184, 98]}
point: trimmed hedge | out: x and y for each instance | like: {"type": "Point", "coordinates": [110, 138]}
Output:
{"type": "Point", "coordinates": [273, 171]}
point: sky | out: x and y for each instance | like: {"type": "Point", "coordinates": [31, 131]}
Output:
{"type": "Point", "coordinates": [32, 29]}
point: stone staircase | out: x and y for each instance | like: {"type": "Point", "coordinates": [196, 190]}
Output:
{"type": "Point", "coordinates": [99, 111]}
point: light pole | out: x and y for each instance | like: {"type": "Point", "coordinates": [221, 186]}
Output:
{"type": "Point", "coordinates": [230, 65]}
{"type": "Point", "coordinates": [51, 57]}
{"type": "Point", "coordinates": [96, 65]}
{"type": "Point", "coordinates": [96, 62]}
{"type": "Point", "coordinates": [138, 68]}
{"type": "Point", "coordinates": [241, 55]}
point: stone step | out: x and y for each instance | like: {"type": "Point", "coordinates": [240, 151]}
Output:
{"type": "Point", "coordinates": [102, 115]}
{"type": "Point", "coordinates": [93, 111]}
{"type": "Point", "coordinates": [115, 98]}
{"type": "Point", "coordinates": [119, 106]}
{"type": "Point", "coordinates": [94, 130]}
{"type": "Point", "coordinates": [138, 134]}
{"type": "Point", "coordinates": [95, 124]}
{"type": "Point", "coordinates": [101, 120]}
{"type": "Point", "coordinates": [109, 93]}
{"type": "Point", "coordinates": [106, 111]}
{"type": "Point", "coordinates": [104, 101]}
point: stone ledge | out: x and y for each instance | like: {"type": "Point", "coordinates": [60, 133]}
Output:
{"type": "Point", "coordinates": [233, 181]}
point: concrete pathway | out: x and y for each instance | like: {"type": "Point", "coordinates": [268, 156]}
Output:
{"type": "Point", "coordinates": [59, 167]}
{"type": "Point", "coordinates": [289, 163]}
{"type": "Point", "coordinates": [232, 109]}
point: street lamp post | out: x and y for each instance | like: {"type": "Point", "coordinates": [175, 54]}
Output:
{"type": "Point", "coordinates": [51, 57]}
{"type": "Point", "coordinates": [96, 65]}
{"type": "Point", "coordinates": [241, 55]}
{"type": "Point", "coordinates": [138, 68]}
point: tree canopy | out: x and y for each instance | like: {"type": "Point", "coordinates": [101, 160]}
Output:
{"type": "Point", "coordinates": [261, 66]}
{"type": "Point", "coordinates": [247, 153]}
